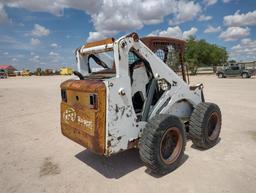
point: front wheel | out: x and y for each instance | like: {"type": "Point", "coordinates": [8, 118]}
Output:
{"type": "Point", "coordinates": [205, 125]}
{"type": "Point", "coordinates": [162, 143]}
{"type": "Point", "coordinates": [245, 75]}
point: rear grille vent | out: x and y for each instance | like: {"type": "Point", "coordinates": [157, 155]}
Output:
{"type": "Point", "coordinates": [93, 101]}
{"type": "Point", "coordinates": [64, 95]}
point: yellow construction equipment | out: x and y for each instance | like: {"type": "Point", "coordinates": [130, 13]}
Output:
{"type": "Point", "coordinates": [66, 71]}
{"type": "Point", "coordinates": [25, 72]}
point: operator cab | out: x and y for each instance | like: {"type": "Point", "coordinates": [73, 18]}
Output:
{"type": "Point", "coordinates": [97, 61]}
{"type": "Point", "coordinates": [170, 51]}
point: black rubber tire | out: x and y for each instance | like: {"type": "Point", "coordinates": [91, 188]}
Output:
{"type": "Point", "coordinates": [151, 140]}
{"type": "Point", "coordinates": [199, 128]}
{"type": "Point", "coordinates": [221, 75]}
{"type": "Point", "coordinates": [245, 75]}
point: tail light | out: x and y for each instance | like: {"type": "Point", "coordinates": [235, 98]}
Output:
{"type": "Point", "coordinates": [64, 95]}
{"type": "Point", "coordinates": [93, 101]}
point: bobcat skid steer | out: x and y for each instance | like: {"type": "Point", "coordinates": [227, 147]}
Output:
{"type": "Point", "coordinates": [134, 93]}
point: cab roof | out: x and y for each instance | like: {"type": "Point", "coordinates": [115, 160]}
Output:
{"type": "Point", "coordinates": [152, 42]}
{"type": "Point", "coordinates": [156, 42]}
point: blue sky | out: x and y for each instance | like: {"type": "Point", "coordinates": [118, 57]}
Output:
{"type": "Point", "coordinates": [45, 33]}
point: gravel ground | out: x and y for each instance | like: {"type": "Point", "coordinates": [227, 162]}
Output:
{"type": "Point", "coordinates": [35, 157]}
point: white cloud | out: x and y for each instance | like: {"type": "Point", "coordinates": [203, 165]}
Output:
{"type": "Point", "coordinates": [234, 33]}
{"type": "Point", "coordinates": [54, 45]}
{"type": "Point", "coordinates": [35, 42]}
{"type": "Point", "coordinates": [204, 18]}
{"type": "Point", "coordinates": [191, 32]}
{"type": "Point", "coordinates": [89, 6]}
{"type": "Point", "coordinates": [53, 54]}
{"type": "Point", "coordinates": [113, 16]}
{"type": "Point", "coordinates": [246, 48]}
{"type": "Point", "coordinates": [211, 29]}
{"type": "Point", "coordinates": [6, 53]}
{"type": "Point", "coordinates": [154, 11]}
{"type": "Point", "coordinates": [14, 59]}
{"type": "Point", "coordinates": [110, 17]}
{"type": "Point", "coordinates": [248, 42]}
{"type": "Point", "coordinates": [242, 19]}
{"type": "Point", "coordinates": [185, 11]}
{"type": "Point", "coordinates": [94, 36]}
{"type": "Point", "coordinates": [123, 15]}
{"type": "Point", "coordinates": [3, 14]}
{"type": "Point", "coordinates": [50, 6]}
{"type": "Point", "coordinates": [40, 31]}
{"type": "Point", "coordinates": [244, 44]}
{"type": "Point", "coordinates": [117, 16]}
{"type": "Point", "coordinates": [171, 32]}
{"type": "Point", "coordinates": [176, 32]}
{"type": "Point", "coordinates": [210, 2]}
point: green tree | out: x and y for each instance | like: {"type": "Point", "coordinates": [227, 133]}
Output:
{"type": "Point", "coordinates": [201, 53]}
{"type": "Point", "coordinates": [232, 61]}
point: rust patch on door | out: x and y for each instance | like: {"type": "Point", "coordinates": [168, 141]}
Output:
{"type": "Point", "coordinates": [81, 121]}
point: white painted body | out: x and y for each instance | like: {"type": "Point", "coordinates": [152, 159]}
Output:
{"type": "Point", "coordinates": [122, 126]}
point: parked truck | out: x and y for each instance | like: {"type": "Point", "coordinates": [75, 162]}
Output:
{"type": "Point", "coordinates": [235, 70]}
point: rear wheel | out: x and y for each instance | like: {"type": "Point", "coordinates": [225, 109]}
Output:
{"type": "Point", "coordinates": [221, 75]}
{"type": "Point", "coordinates": [245, 75]}
{"type": "Point", "coordinates": [163, 143]}
{"type": "Point", "coordinates": [205, 125]}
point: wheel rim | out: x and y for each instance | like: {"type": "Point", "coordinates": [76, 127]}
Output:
{"type": "Point", "coordinates": [220, 75]}
{"type": "Point", "coordinates": [213, 126]}
{"type": "Point", "coordinates": [171, 145]}
{"type": "Point", "coordinates": [244, 75]}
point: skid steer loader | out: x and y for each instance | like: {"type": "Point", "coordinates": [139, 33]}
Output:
{"type": "Point", "coordinates": [129, 94]}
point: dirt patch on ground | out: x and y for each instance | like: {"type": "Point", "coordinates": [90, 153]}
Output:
{"type": "Point", "coordinates": [253, 134]}
{"type": "Point", "coordinates": [49, 168]}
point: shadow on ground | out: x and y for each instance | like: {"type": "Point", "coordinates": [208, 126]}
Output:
{"type": "Point", "coordinates": [183, 160]}
{"type": "Point", "coordinates": [201, 149]}
{"type": "Point", "coordinates": [115, 166]}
